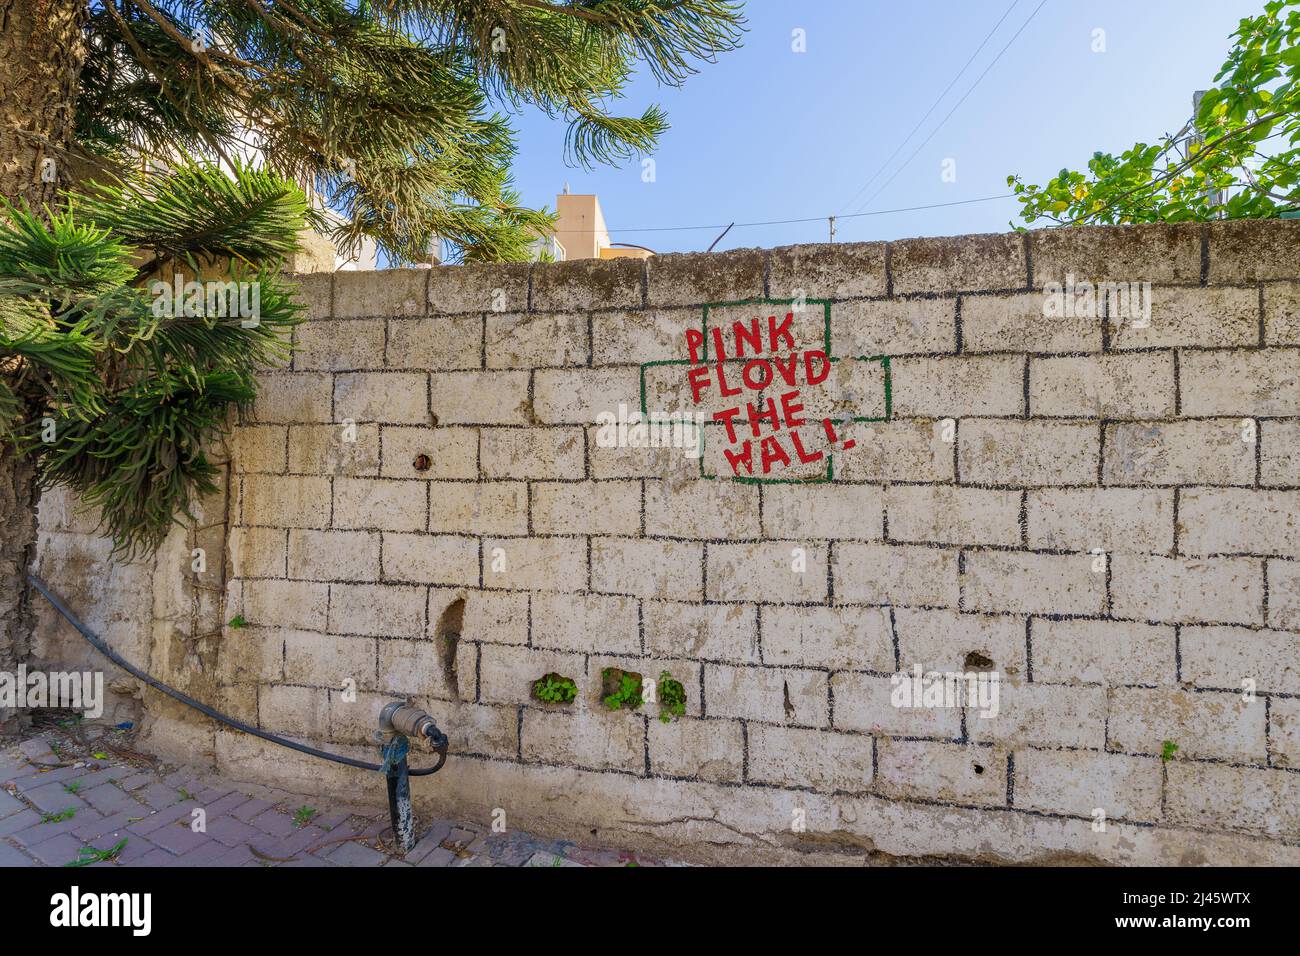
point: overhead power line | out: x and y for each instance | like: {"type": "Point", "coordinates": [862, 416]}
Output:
{"type": "Point", "coordinates": [786, 222]}
{"type": "Point", "coordinates": [956, 106]}
{"type": "Point", "coordinates": [933, 106]}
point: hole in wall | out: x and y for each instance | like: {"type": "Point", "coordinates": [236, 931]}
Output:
{"type": "Point", "coordinates": [975, 661]}
{"type": "Point", "coordinates": [979, 768]}
{"type": "Point", "coordinates": [620, 688]}
{"type": "Point", "coordinates": [422, 462]}
{"type": "Point", "coordinates": [447, 634]}
{"type": "Point", "coordinates": [554, 688]}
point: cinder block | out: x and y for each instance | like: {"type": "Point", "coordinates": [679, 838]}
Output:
{"type": "Point", "coordinates": [1080, 782]}
{"type": "Point", "coordinates": [1213, 318]}
{"type": "Point", "coordinates": [1250, 250]}
{"type": "Point", "coordinates": [293, 604]}
{"type": "Point", "coordinates": [301, 711]}
{"type": "Point", "coordinates": [1242, 799]}
{"type": "Point", "coordinates": [334, 450]}
{"type": "Point", "coordinates": [285, 501]}
{"type": "Point", "coordinates": [1284, 731]}
{"type": "Point", "coordinates": [339, 345]}
{"type": "Point", "coordinates": [582, 284]}
{"type": "Point", "coordinates": [894, 327]}
{"type": "Point", "coordinates": [535, 564]}
{"type": "Point", "coordinates": [452, 452]}
{"type": "Point", "coordinates": [377, 610]}
{"type": "Point", "coordinates": [479, 287]}
{"type": "Point", "coordinates": [439, 343]}
{"type": "Point", "coordinates": [586, 622]}
{"type": "Point", "coordinates": [430, 558]}
{"type": "Point", "coordinates": [609, 460]}
{"type": "Point", "coordinates": [839, 270]}
{"type": "Point", "coordinates": [1139, 385]}
{"type": "Point", "coordinates": [818, 759]}
{"type": "Point", "coordinates": [823, 511]}
{"type": "Point", "coordinates": [718, 632]}
{"type": "Point", "coordinates": [314, 290]}
{"type": "Point", "coordinates": [1279, 446]}
{"type": "Point", "coordinates": [498, 617]}
{"type": "Point", "coordinates": [417, 669]}
{"type": "Point", "coordinates": [577, 396]}
{"type": "Point", "coordinates": [775, 571]}
{"type": "Point", "coordinates": [908, 449]}
{"type": "Point", "coordinates": [1240, 659]}
{"type": "Point", "coordinates": [506, 673]}
{"type": "Point", "coordinates": [258, 552]}
{"type": "Point", "coordinates": [948, 641]}
{"type": "Point", "coordinates": [1284, 594]}
{"type": "Point", "coordinates": [1164, 252]}
{"type": "Point", "coordinates": [700, 749]}
{"type": "Point", "coordinates": [863, 702]}
{"type": "Point", "coordinates": [1018, 323]}
{"type": "Point", "coordinates": [935, 770]}
{"type": "Point", "coordinates": [487, 507]}
{"type": "Point", "coordinates": [334, 555]}
{"type": "Point", "coordinates": [944, 514]}
{"type": "Point", "coordinates": [1282, 313]}
{"type": "Point", "coordinates": [959, 385]}
{"type": "Point", "coordinates": [677, 279]}
{"type": "Point", "coordinates": [1202, 452]}
{"type": "Point", "coordinates": [1239, 521]}
{"type": "Point", "coordinates": [323, 660]}
{"type": "Point", "coordinates": [769, 694]}
{"type": "Point", "coordinates": [385, 292]}
{"type": "Point", "coordinates": [1015, 452]}
{"type": "Point", "coordinates": [586, 507]}
{"type": "Point", "coordinates": [668, 570]}
{"type": "Point", "coordinates": [585, 739]}
{"type": "Point", "coordinates": [293, 397]}
{"type": "Point", "coordinates": [952, 264]}
{"type": "Point", "coordinates": [1203, 725]}
{"type": "Point", "coordinates": [380, 504]}
{"type": "Point", "coordinates": [536, 453]}
{"type": "Point", "coordinates": [651, 335]}
{"type": "Point", "coordinates": [1113, 519]}
{"type": "Point", "coordinates": [479, 398]}
{"type": "Point", "coordinates": [1043, 715]}
{"type": "Point", "coordinates": [700, 509]}
{"type": "Point", "coordinates": [1187, 590]}
{"type": "Point", "coordinates": [394, 397]}
{"type": "Point", "coordinates": [524, 340]}
{"type": "Point", "coordinates": [856, 638]}
{"type": "Point", "coordinates": [479, 728]}
{"type": "Point", "coordinates": [895, 574]}
{"type": "Point", "coordinates": [258, 448]}
{"type": "Point", "coordinates": [1103, 652]}
{"type": "Point", "coordinates": [1027, 583]}
{"type": "Point", "coordinates": [1243, 383]}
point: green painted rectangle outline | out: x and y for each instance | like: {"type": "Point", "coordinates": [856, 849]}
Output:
{"type": "Point", "coordinates": [826, 343]}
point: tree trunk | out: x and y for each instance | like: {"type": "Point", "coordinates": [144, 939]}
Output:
{"type": "Point", "coordinates": [41, 52]}
{"type": "Point", "coordinates": [42, 49]}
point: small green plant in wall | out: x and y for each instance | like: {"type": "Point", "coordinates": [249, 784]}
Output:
{"type": "Point", "coordinates": [672, 698]}
{"type": "Point", "coordinates": [620, 688]}
{"type": "Point", "coordinates": [237, 622]}
{"type": "Point", "coordinates": [555, 689]}
{"type": "Point", "coordinates": [1167, 750]}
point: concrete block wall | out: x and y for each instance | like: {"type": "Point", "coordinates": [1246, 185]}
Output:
{"type": "Point", "coordinates": [1104, 513]}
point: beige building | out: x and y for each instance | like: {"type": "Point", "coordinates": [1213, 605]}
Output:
{"type": "Point", "coordinates": [580, 232]}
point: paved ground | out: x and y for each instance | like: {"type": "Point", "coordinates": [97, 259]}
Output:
{"type": "Point", "coordinates": [76, 794]}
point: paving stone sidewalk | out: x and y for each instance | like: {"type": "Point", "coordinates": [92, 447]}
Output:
{"type": "Point", "coordinates": [78, 795]}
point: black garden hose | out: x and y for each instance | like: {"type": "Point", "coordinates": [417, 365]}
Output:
{"type": "Point", "coordinates": [172, 692]}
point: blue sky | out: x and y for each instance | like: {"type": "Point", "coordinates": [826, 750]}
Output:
{"type": "Point", "coordinates": [770, 134]}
